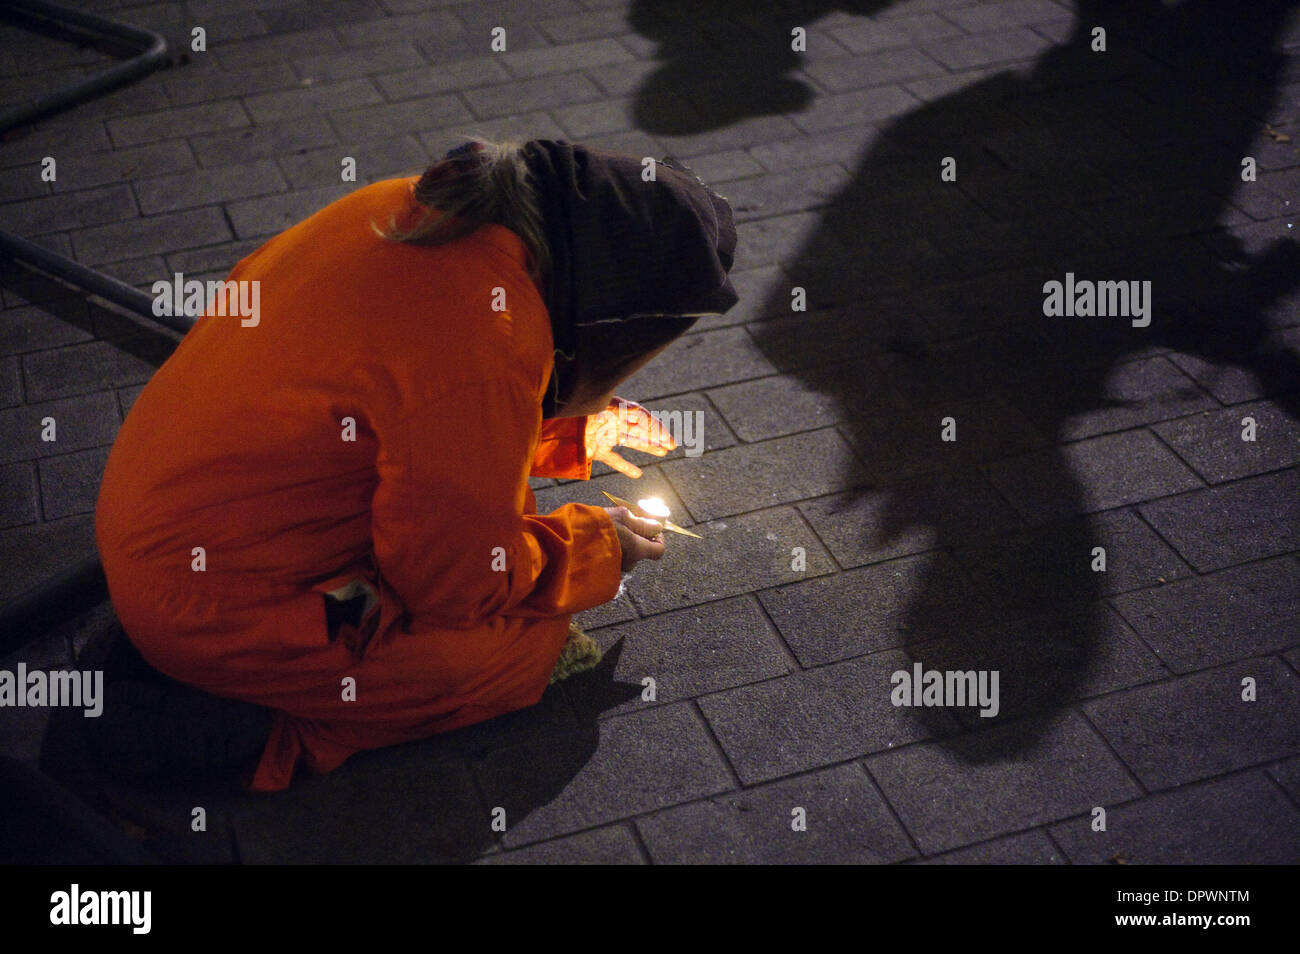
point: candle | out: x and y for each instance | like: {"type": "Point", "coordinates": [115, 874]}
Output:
{"type": "Point", "coordinates": [657, 510]}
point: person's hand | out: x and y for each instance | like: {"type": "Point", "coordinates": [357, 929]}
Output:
{"type": "Point", "coordinates": [639, 539]}
{"type": "Point", "coordinates": [627, 424]}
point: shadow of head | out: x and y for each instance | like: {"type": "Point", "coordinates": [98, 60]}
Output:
{"type": "Point", "coordinates": [448, 798]}
{"type": "Point", "coordinates": [724, 60]}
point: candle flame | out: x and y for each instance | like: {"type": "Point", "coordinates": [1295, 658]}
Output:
{"type": "Point", "coordinates": [654, 506]}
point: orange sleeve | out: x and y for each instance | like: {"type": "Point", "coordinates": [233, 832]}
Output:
{"type": "Point", "coordinates": [447, 516]}
{"type": "Point", "coordinates": [562, 449]}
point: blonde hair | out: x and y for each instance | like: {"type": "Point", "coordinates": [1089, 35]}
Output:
{"type": "Point", "coordinates": [460, 196]}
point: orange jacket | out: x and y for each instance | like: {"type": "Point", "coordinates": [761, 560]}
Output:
{"type": "Point", "coordinates": [239, 445]}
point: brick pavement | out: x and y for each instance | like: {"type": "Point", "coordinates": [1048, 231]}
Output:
{"type": "Point", "coordinates": [1120, 689]}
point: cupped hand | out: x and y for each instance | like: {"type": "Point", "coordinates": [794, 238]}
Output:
{"type": "Point", "coordinates": [625, 424]}
{"type": "Point", "coordinates": [639, 539]}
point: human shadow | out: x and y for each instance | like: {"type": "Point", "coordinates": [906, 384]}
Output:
{"type": "Point", "coordinates": [926, 302]}
{"type": "Point", "coordinates": [426, 802]}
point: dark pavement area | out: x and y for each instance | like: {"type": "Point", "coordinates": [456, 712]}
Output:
{"type": "Point", "coordinates": [844, 538]}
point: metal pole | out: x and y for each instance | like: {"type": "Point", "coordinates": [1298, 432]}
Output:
{"type": "Point", "coordinates": [152, 51]}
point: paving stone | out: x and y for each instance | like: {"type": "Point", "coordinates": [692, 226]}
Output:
{"type": "Point", "coordinates": [752, 476]}
{"type": "Point", "coordinates": [991, 17]}
{"type": "Point", "coordinates": [1071, 651]}
{"type": "Point", "coordinates": [911, 441]}
{"type": "Point", "coordinates": [272, 141]}
{"type": "Point", "coordinates": [23, 183]}
{"type": "Point", "coordinates": [1133, 393]}
{"type": "Point", "coordinates": [17, 494]}
{"type": "Point", "coordinates": [778, 193]}
{"type": "Point", "coordinates": [95, 366]}
{"type": "Point", "coordinates": [477, 41]}
{"type": "Point", "coordinates": [141, 273]}
{"type": "Point", "coordinates": [1270, 196]}
{"type": "Point", "coordinates": [879, 607]}
{"type": "Point", "coordinates": [177, 121]}
{"type": "Point", "coordinates": [1235, 375]}
{"type": "Point", "coordinates": [775, 240]}
{"type": "Point", "coordinates": [399, 29]}
{"type": "Point", "coordinates": [585, 25]}
{"type": "Point", "coordinates": [624, 766]}
{"type": "Point", "coordinates": [602, 116]}
{"type": "Point", "coordinates": [270, 215]}
{"type": "Point", "coordinates": [951, 509]}
{"type": "Point", "coordinates": [1243, 820]}
{"type": "Point", "coordinates": [546, 92]}
{"type": "Point", "coordinates": [301, 16]}
{"type": "Point", "coordinates": [152, 235]}
{"type": "Point", "coordinates": [32, 553]}
{"type": "Point", "coordinates": [70, 482]}
{"type": "Point", "coordinates": [614, 845]}
{"type": "Point", "coordinates": [623, 79]}
{"type": "Point", "coordinates": [196, 84]}
{"type": "Point", "coordinates": [985, 49]}
{"type": "Point", "coordinates": [692, 651]}
{"type": "Point", "coordinates": [54, 141]}
{"type": "Point", "coordinates": [759, 290]}
{"type": "Point", "coordinates": [411, 116]}
{"type": "Point", "coordinates": [312, 98]}
{"type": "Point", "coordinates": [617, 610]}
{"type": "Point", "coordinates": [256, 52]}
{"type": "Point", "coordinates": [860, 106]}
{"type": "Point", "coordinates": [388, 158]}
{"type": "Point", "coordinates": [967, 371]}
{"type": "Point", "coordinates": [71, 210]}
{"type": "Point", "coordinates": [1248, 520]}
{"type": "Point", "coordinates": [1053, 564]}
{"type": "Point", "coordinates": [1128, 222]}
{"type": "Point", "coordinates": [1197, 726]}
{"type": "Point", "coordinates": [202, 9]}
{"type": "Point", "coordinates": [364, 62]}
{"type": "Point", "coordinates": [847, 146]}
{"type": "Point", "coordinates": [444, 78]}
{"type": "Point", "coordinates": [810, 719]}
{"type": "Point", "coordinates": [534, 125]}
{"type": "Point", "coordinates": [745, 554]}
{"type": "Point", "coordinates": [89, 420]}
{"type": "Point", "coordinates": [1287, 774]}
{"type": "Point", "coordinates": [1213, 444]}
{"type": "Point", "coordinates": [843, 73]}
{"type": "Point", "coordinates": [81, 171]}
{"type": "Point", "coordinates": [403, 805]}
{"type": "Point", "coordinates": [33, 328]}
{"type": "Point", "coordinates": [205, 186]}
{"type": "Point", "coordinates": [632, 142]}
{"type": "Point", "coordinates": [1236, 613]}
{"type": "Point", "coordinates": [697, 361]}
{"type": "Point", "coordinates": [779, 405]}
{"type": "Point", "coordinates": [869, 35]}
{"type": "Point", "coordinates": [847, 823]}
{"type": "Point", "coordinates": [1030, 848]}
{"type": "Point", "coordinates": [823, 337]}
{"type": "Point", "coordinates": [1097, 474]}
{"type": "Point", "coordinates": [736, 135]}
{"type": "Point", "coordinates": [719, 168]}
{"type": "Point", "coordinates": [983, 784]}
{"type": "Point", "coordinates": [561, 59]}
{"type": "Point", "coordinates": [11, 389]}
